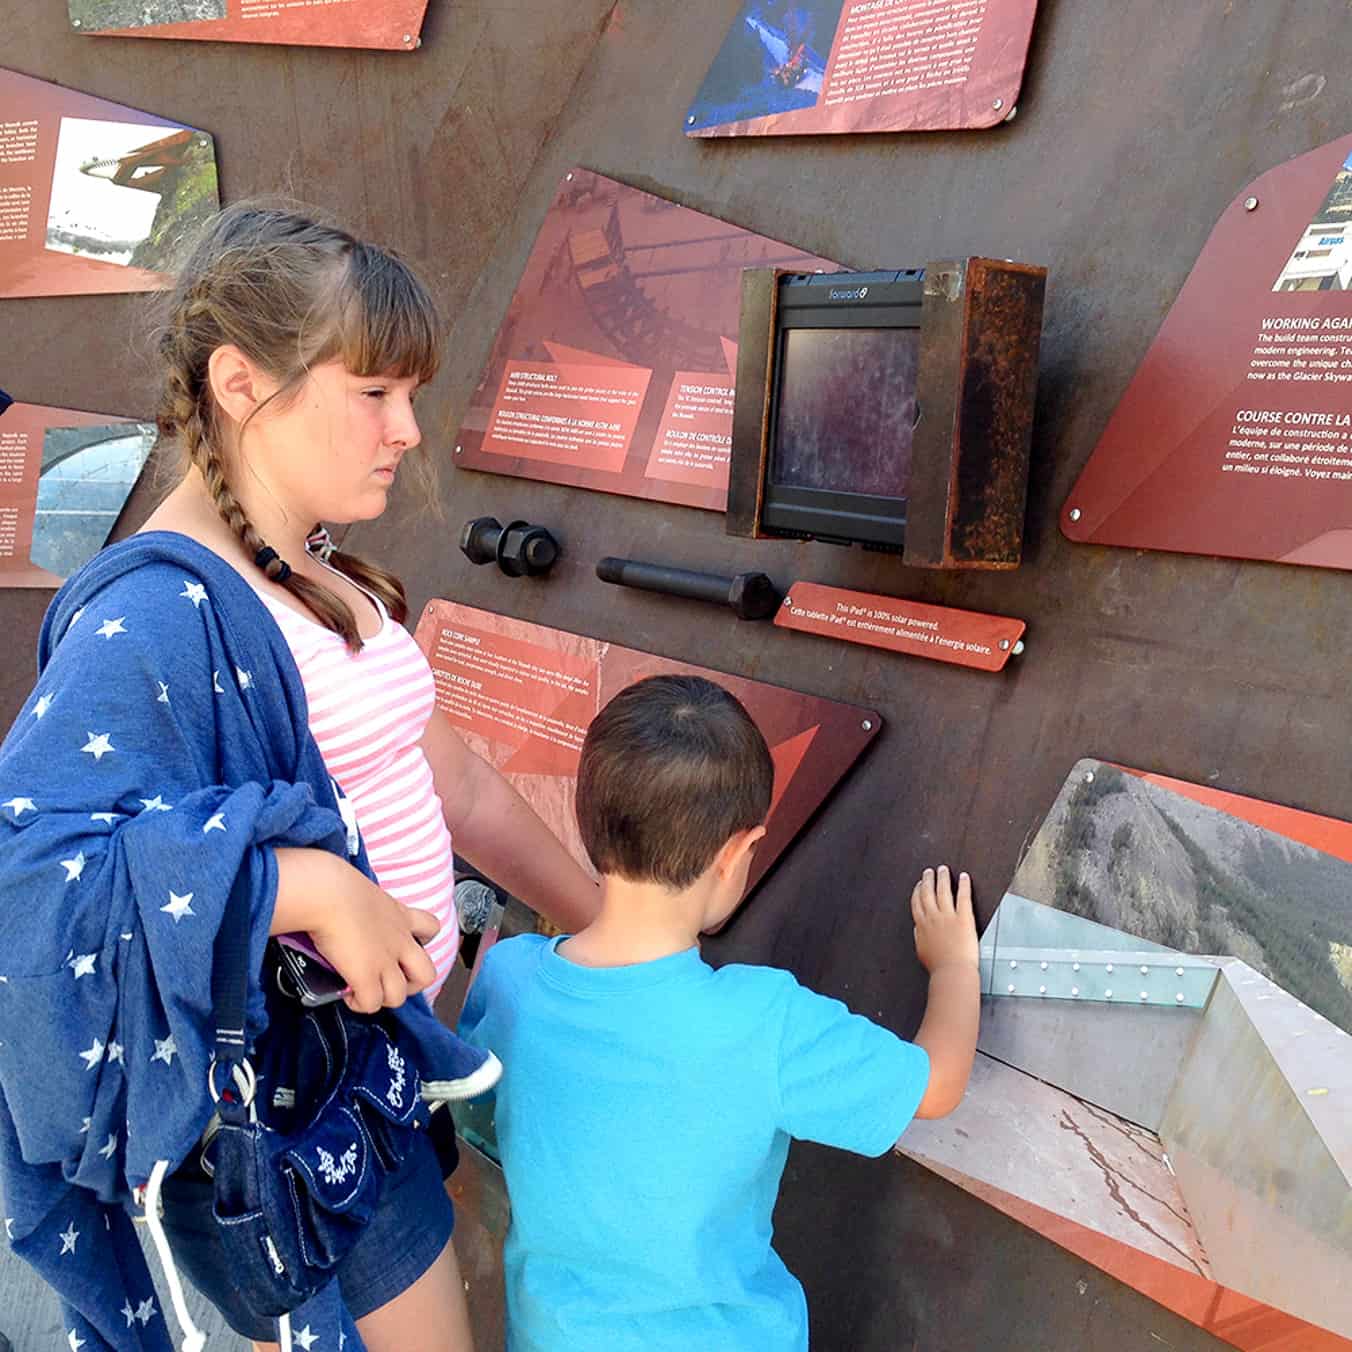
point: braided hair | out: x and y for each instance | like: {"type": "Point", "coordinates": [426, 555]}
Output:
{"type": "Point", "coordinates": [291, 294]}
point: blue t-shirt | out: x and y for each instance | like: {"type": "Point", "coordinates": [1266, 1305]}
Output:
{"type": "Point", "coordinates": [643, 1119]}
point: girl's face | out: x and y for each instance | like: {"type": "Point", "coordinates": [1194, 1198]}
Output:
{"type": "Point", "coordinates": [330, 452]}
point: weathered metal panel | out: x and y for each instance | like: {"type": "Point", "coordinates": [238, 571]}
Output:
{"type": "Point", "coordinates": [1137, 125]}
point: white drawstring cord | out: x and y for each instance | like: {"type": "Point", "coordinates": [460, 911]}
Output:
{"type": "Point", "coordinates": [284, 1333]}
{"type": "Point", "coordinates": [194, 1340]}
{"type": "Point", "coordinates": [478, 1081]}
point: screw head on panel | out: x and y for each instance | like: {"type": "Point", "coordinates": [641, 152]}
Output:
{"type": "Point", "coordinates": [1145, 971]}
{"type": "Point", "coordinates": [408, 38]}
{"type": "Point", "coordinates": [1075, 514]}
{"type": "Point", "coordinates": [1110, 967]}
{"type": "Point", "coordinates": [1013, 963]}
{"type": "Point", "coordinates": [998, 104]}
{"type": "Point", "coordinates": [788, 602]}
{"type": "Point", "coordinates": [1178, 971]}
{"type": "Point", "coordinates": [1145, 995]}
{"type": "Point", "coordinates": [1018, 647]}
{"type": "Point", "coordinates": [1042, 990]}
{"type": "Point", "coordinates": [1074, 966]}
{"type": "Point", "coordinates": [1108, 994]}
{"type": "Point", "coordinates": [867, 725]}
{"type": "Point", "coordinates": [1004, 645]}
{"type": "Point", "coordinates": [75, 23]}
{"type": "Point", "coordinates": [1250, 204]}
{"type": "Point", "coordinates": [1010, 988]}
{"type": "Point", "coordinates": [458, 449]}
{"type": "Point", "coordinates": [1044, 966]}
{"type": "Point", "coordinates": [1179, 997]}
{"type": "Point", "coordinates": [1074, 990]}
{"type": "Point", "coordinates": [690, 121]}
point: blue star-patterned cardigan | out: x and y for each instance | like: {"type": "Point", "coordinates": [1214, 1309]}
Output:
{"type": "Point", "coordinates": [163, 753]}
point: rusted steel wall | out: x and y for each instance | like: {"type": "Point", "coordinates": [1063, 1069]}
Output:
{"type": "Point", "coordinates": [1137, 125]}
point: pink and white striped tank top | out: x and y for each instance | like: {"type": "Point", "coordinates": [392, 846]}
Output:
{"type": "Point", "coordinates": [368, 712]}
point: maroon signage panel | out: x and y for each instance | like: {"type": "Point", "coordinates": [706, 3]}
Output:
{"type": "Point", "coordinates": [966, 638]}
{"type": "Point", "coordinates": [795, 67]}
{"type": "Point", "coordinates": [94, 197]}
{"type": "Point", "coordinates": [64, 479]}
{"type": "Point", "coordinates": [524, 695]}
{"type": "Point", "coordinates": [1235, 436]}
{"type": "Point", "coordinates": [393, 24]}
{"type": "Point", "coordinates": [614, 369]}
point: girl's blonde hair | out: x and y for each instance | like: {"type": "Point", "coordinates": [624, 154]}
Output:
{"type": "Point", "coordinates": [291, 294]}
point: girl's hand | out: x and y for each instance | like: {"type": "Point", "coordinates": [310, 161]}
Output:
{"type": "Point", "coordinates": [373, 941]}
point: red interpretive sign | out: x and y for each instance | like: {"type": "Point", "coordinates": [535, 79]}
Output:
{"type": "Point", "coordinates": [94, 197]}
{"type": "Point", "coordinates": [808, 67]}
{"type": "Point", "coordinates": [587, 413]}
{"type": "Point", "coordinates": [64, 479]}
{"type": "Point", "coordinates": [523, 696]}
{"type": "Point", "coordinates": [966, 638]}
{"type": "Point", "coordinates": [1234, 437]}
{"type": "Point", "coordinates": [614, 368]}
{"type": "Point", "coordinates": [389, 24]}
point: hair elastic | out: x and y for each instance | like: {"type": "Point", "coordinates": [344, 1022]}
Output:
{"type": "Point", "coordinates": [265, 556]}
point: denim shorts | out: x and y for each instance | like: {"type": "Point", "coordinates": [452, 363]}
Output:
{"type": "Point", "coordinates": [410, 1228]}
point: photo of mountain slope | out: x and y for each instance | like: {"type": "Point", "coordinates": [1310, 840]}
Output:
{"type": "Point", "coordinates": [1124, 851]}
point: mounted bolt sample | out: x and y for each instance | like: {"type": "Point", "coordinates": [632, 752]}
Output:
{"type": "Point", "coordinates": [518, 548]}
{"type": "Point", "coordinates": [751, 595]}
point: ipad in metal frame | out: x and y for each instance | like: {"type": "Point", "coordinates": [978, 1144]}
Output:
{"type": "Point", "coordinates": [843, 406]}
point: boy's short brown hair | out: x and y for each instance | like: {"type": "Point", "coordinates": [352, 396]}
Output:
{"type": "Point", "coordinates": [671, 769]}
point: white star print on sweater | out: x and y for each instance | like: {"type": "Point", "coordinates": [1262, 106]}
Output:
{"type": "Point", "coordinates": [98, 745]}
{"type": "Point", "coordinates": [179, 906]}
{"type": "Point", "coordinates": [129, 1040]}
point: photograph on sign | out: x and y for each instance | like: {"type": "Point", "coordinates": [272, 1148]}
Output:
{"type": "Point", "coordinates": [796, 67]}
{"type": "Point", "coordinates": [774, 60]}
{"type": "Point", "coordinates": [1185, 868]}
{"type": "Point", "coordinates": [65, 477]}
{"type": "Point", "coordinates": [142, 13]}
{"type": "Point", "coordinates": [123, 195]}
{"type": "Point", "coordinates": [86, 478]}
{"type": "Point", "coordinates": [390, 24]}
{"type": "Point", "coordinates": [1322, 260]}
{"type": "Point", "coordinates": [615, 367]}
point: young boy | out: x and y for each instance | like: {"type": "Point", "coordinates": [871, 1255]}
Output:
{"type": "Point", "coordinates": [648, 1101]}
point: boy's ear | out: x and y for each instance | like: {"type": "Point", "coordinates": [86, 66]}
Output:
{"type": "Point", "coordinates": [736, 849]}
{"type": "Point", "coordinates": [236, 383]}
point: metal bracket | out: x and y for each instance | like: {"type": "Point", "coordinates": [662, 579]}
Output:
{"type": "Point", "coordinates": [1148, 977]}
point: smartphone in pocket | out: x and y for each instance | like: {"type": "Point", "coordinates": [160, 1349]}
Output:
{"type": "Point", "coordinates": [309, 977]}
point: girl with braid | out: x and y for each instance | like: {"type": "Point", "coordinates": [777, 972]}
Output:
{"type": "Point", "coordinates": [228, 701]}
